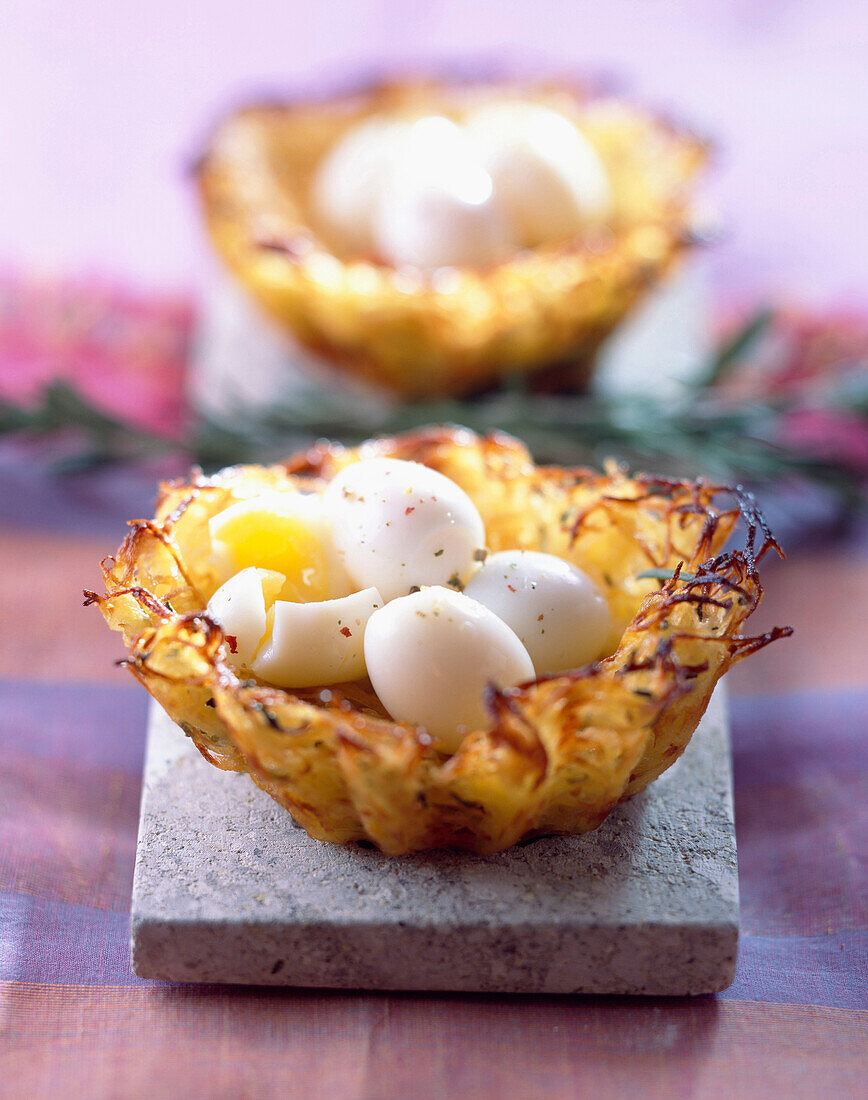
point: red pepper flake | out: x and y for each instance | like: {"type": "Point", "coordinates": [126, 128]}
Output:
{"type": "Point", "coordinates": [232, 642]}
{"type": "Point", "coordinates": [347, 633]}
{"type": "Point", "coordinates": [407, 511]}
{"type": "Point", "coordinates": [509, 586]}
{"type": "Point", "coordinates": [540, 618]}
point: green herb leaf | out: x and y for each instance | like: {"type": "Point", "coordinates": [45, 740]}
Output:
{"type": "Point", "coordinates": [663, 575]}
{"type": "Point", "coordinates": [737, 347]}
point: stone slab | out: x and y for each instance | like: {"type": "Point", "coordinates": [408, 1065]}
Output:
{"type": "Point", "coordinates": [227, 889]}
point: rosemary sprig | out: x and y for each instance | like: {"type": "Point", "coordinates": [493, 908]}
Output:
{"type": "Point", "coordinates": [736, 348]}
{"type": "Point", "coordinates": [703, 433]}
{"type": "Point", "coordinates": [61, 408]}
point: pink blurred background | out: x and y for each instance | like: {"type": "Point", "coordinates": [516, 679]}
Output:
{"type": "Point", "coordinates": [105, 102]}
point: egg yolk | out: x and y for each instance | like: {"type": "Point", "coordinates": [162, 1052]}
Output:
{"type": "Point", "coordinates": [281, 543]}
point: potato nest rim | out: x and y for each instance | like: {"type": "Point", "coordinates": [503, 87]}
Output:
{"type": "Point", "coordinates": [456, 332]}
{"type": "Point", "coordinates": [561, 751]}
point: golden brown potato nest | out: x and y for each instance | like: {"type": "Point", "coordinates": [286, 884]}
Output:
{"type": "Point", "coordinates": [559, 753]}
{"type": "Point", "coordinates": [458, 329]}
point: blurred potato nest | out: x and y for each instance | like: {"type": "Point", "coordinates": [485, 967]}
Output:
{"type": "Point", "coordinates": [559, 753]}
{"type": "Point", "coordinates": [455, 330]}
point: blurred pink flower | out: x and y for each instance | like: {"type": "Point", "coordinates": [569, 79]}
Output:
{"type": "Point", "coordinates": [798, 351]}
{"type": "Point", "coordinates": [125, 350]}
{"type": "Point", "coordinates": [804, 360]}
{"type": "Point", "coordinates": [834, 435]}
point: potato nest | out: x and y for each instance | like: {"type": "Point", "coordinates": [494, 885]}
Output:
{"type": "Point", "coordinates": [559, 752]}
{"type": "Point", "coordinates": [459, 329]}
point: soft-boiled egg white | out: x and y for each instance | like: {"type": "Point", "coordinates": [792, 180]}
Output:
{"type": "Point", "coordinates": [309, 644]}
{"type": "Point", "coordinates": [350, 181]}
{"type": "Point", "coordinates": [431, 655]}
{"type": "Point", "coordinates": [239, 608]}
{"type": "Point", "coordinates": [546, 174]}
{"type": "Point", "coordinates": [558, 612]}
{"type": "Point", "coordinates": [293, 645]}
{"type": "Point", "coordinates": [431, 193]}
{"type": "Point", "coordinates": [400, 525]}
{"type": "Point", "coordinates": [438, 207]}
{"type": "Point", "coordinates": [289, 533]}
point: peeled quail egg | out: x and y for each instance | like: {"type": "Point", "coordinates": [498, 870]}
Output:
{"type": "Point", "coordinates": [349, 182]}
{"type": "Point", "coordinates": [547, 176]}
{"type": "Point", "coordinates": [238, 606]}
{"type": "Point", "coordinates": [308, 644]}
{"type": "Point", "coordinates": [558, 612]}
{"type": "Point", "coordinates": [398, 525]}
{"type": "Point", "coordinates": [289, 533]}
{"type": "Point", "coordinates": [438, 205]}
{"type": "Point", "coordinates": [431, 655]}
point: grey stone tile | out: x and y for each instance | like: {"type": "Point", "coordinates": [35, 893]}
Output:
{"type": "Point", "coordinates": [228, 890]}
